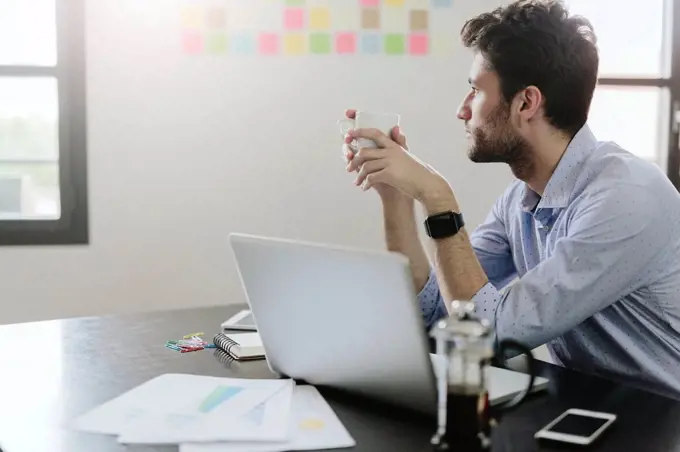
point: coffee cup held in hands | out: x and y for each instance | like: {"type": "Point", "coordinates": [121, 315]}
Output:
{"type": "Point", "coordinates": [384, 122]}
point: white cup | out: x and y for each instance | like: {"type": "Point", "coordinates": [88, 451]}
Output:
{"type": "Point", "coordinates": [384, 122]}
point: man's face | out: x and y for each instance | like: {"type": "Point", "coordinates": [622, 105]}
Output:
{"type": "Point", "coordinates": [491, 136]}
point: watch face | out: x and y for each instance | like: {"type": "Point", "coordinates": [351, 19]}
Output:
{"type": "Point", "coordinates": [444, 224]}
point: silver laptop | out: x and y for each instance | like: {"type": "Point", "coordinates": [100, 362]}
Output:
{"type": "Point", "coordinates": [347, 319]}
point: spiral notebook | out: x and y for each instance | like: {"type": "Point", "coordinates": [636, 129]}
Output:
{"type": "Point", "coordinates": [242, 346]}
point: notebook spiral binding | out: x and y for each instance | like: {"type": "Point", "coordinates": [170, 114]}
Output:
{"type": "Point", "coordinates": [223, 342]}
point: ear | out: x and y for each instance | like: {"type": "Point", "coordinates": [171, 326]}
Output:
{"type": "Point", "coordinates": [528, 103]}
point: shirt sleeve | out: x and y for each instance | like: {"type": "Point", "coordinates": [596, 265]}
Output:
{"type": "Point", "coordinates": [431, 302]}
{"type": "Point", "coordinates": [612, 242]}
{"type": "Point", "coordinates": [492, 247]}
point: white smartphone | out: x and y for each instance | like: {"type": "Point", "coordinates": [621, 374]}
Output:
{"type": "Point", "coordinates": [240, 321]}
{"type": "Point", "coordinates": [576, 426]}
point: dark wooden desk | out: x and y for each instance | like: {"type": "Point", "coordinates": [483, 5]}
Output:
{"type": "Point", "coordinates": [53, 371]}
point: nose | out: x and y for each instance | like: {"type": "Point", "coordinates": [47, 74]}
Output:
{"type": "Point", "coordinates": [464, 112]}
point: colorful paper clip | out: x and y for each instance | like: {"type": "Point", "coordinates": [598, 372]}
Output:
{"type": "Point", "coordinates": [189, 336]}
{"type": "Point", "coordinates": [189, 343]}
{"type": "Point", "coordinates": [190, 349]}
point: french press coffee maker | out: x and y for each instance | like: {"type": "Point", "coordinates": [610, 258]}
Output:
{"type": "Point", "coordinates": [465, 350]}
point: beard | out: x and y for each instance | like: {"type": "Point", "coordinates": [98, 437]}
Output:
{"type": "Point", "coordinates": [497, 142]}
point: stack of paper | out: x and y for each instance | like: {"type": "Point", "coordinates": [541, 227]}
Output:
{"type": "Point", "coordinates": [313, 425]}
{"type": "Point", "coordinates": [207, 414]}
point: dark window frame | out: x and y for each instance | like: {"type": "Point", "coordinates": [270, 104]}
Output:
{"type": "Point", "coordinates": [673, 160]}
{"type": "Point", "coordinates": [671, 83]}
{"type": "Point", "coordinates": [72, 226]}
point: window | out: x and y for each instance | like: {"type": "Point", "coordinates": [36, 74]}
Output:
{"type": "Point", "coordinates": [43, 183]}
{"type": "Point", "coordinates": [638, 90]}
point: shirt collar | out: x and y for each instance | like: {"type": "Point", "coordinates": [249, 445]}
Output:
{"type": "Point", "coordinates": [561, 184]}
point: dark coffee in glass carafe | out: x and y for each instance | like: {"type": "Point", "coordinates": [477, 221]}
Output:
{"type": "Point", "coordinates": [465, 351]}
{"type": "Point", "coordinates": [467, 426]}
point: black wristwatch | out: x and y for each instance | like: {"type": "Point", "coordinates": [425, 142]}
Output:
{"type": "Point", "coordinates": [445, 224]}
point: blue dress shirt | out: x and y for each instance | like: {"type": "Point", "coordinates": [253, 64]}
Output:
{"type": "Point", "coordinates": [596, 261]}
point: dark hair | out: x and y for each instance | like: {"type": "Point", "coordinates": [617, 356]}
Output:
{"type": "Point", "coordinates": [536, 42]}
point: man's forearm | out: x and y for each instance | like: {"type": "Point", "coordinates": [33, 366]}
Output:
{"type": "Point", "coordinates": [401, 235]}
{"type": "Point", "coordinates": [459, 272]}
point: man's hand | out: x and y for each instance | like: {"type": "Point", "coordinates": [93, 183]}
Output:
{"type": "Point", "coordinates": [385, 191]}
{"type": "Point", "coordinates": [391, 164]}
{"type": "Point", "coordinates": [399, 218]}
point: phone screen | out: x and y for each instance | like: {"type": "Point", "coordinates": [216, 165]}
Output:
{"type": "Point", "coordinates": [573, 424]}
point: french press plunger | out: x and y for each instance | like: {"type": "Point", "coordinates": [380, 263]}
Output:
{"type": "Point", "coordinates": [466, 344]}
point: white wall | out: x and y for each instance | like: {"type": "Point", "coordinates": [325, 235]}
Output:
{"type": "Point", "coordinates": [184, 150]}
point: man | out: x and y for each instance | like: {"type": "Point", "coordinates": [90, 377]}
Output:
{"type": "Point", "coordinates": [590, 233]}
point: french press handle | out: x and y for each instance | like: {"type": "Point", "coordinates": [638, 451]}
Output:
{"type": "Point", "coordinates": [500, 361]}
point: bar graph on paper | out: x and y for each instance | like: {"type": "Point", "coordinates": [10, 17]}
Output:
{"type": "Point", "coordinates": [223, 394]}
{"type": "Point", "coordinates": [317, 27]}
{"type": "Point", "coordinates": [217, 397]}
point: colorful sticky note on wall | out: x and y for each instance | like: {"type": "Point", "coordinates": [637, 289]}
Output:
{"type": "Point", "coordinates": [370, 43]}
{"type": "Point", "coordinates": [242, 44]}
{"type": "Point", "coordinates": [320, 43]}
{"type": "Point", "coordinates": [192, 42]}
{"type": "Point", "coordinates": [418, 20]}
{"type": "Point", "coordinates": [394, 44]}
{"type": "Point", "coordinates": [192, 17]}
{"type": "Point", "coordinates": [268, 44]}
{"type": "Point", "coordinates": [217, 43]}
{"type": "Point", "coordinates": [294, 44]}
{"type": "Point", "coordinates": [345, 43]}
{"type": "Point", "coordinates": [370, 18]}
{"type": "Point", "coordinates": [319, 18]}
{"type": "Point", "coordinates": [418, 44]}
{"type": "Point", "coordinates": [294, 18]}
{"type": "Point", "coordinates": [298, 27]}
{"type": "Point", "coordinates": [216, 17]}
